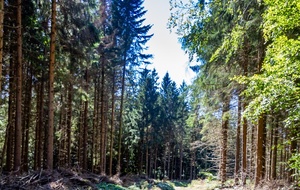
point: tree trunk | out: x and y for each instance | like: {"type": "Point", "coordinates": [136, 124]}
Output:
{"type": "Point", "coordinates": [39, 125]}
{"type": "Point", "coordinates": [85, 123]}
{"type": "Point", "coordinates": [259, 151]}
{"type": "Point", "coordinates": [112, 123]}
{"type": "Point", "coordinates": [121, 118]}
{"type": "Point", "coordinates": [244, 161]}
{"type": "Point", "coordinates": [69, 122]}
{"type": "Point", "coordinates": [26, 120]}
{"type": "Point", "coordinates": [18, 117]}
{"type": "Point", "coordinates": [224, 132]}
{"type": "Point", "coordinates": [238, 143]}
{"type": "Point", "coordinates": [181, 160]}
{"type": "Point", "coordinates": [102, 151]}
{"type": "Point", "coordinates": [274, 152]}
{"type": "Point", "coordinates": [51, 89]}
{"type": "Point", "coordinates": [1, 40]}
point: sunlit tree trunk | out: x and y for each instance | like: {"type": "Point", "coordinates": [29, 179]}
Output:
{"type": "Point", "coordinates": [244, 148]}
{"type": "Point", "coordinates": [274, 152]}
{"type": "Point", "coordinates": [238, 143]}
{"type": "Point", "coordinates": [259, 161]}
{"type": "Point", "coordinates": [224, 132]}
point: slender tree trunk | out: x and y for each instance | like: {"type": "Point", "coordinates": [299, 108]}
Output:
{"type": "Point", "coordinates": [244, 147]}
{"type": "Point", "coordinates": [112, 123]}
{"type": "Point", "coordinates": [51, 89]}
{"type": "Point", "coordinates": [95, 124]}
{"type": "Point", "coordinates": [102, 153]}
{"type": "Point", "coordinates": [274, 152]}
{"type": "Point", "coordinates": [181, 159]}
{"type": "Point", "coordinates": [85, 124]}
{"type": "Point", "coordinates": [1, 40]}
{"type": "Point", "coordinates": [26, 120]}
{"type": "Point", "coordinates": [269, 165]}
{"type": "Point", "coordinates": [121, 119]}
{"type": "Point", "coordinates": [39, 125]}
{"type": "Point", "coordinates": [223, 164]}
{"type": "Point", "coordinates": [259, 151]}
{"type": "Point", "coordinates": [238, 143]}
{"type": "Point", "coordinates": [69, 122]}
{"type": "Point", "coordinates": [18, 117]}
{"type": "Point", "coordinates": [11, 107]}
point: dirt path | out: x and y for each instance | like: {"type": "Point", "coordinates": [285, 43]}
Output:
{"type": "Point", "coordinates": [198, 185]}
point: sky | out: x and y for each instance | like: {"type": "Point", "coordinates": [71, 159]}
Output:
{"type": "Point", "coordinates": [164, 45]}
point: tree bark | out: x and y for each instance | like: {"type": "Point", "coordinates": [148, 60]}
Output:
{"type": "Point", "coordinates": [26, 120]}
{"type": "Point", "coordinates": [274, 152]}
{"type": "Point", "coordinates": [85, 124]}
{"type": "Point", "coordinates": [224, 132]}
{"type": "Point", "coordinates": [18, 117]}
{"type": "Point", "coordinates": [121, 118]}
{"type": "Point", "coordinates": [1, 40]}
{"type": "Point", "coordinates": [112, 123]}
{"type": "Point", "coordinates": [259, 151]}
{"type": "Point", "coordinates": [238, 143]}
{"type": "Point", "coordinates": [51, 89]}
{"type": "Point", "coordinates": [244, 147]}
{"type": "Point", "coordinates": [102, 151]}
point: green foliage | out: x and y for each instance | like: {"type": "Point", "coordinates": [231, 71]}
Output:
{"type": "Point", "coordinates": [294, 163]}
{"type": "Point", "coordinates": [109, 186]}
{"type": "Point", "coordinates": [165, 186]}
{"type": "Point", "coordinates": [208, 176]}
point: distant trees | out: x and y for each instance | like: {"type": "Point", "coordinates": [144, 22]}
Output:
{"type": "Point", "coordinates": [75, 91]}
{"type": "Point", "coordinates": [240, 73]}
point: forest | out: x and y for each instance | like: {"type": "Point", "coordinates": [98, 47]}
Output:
{"type": "Point", "coordinates": [77, 95]}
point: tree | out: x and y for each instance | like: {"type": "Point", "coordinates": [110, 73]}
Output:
{"type": "Point", "coordinates": [51, 88]}
{"type": "Point", "coordinates": [18, 117]}
{"type": "Point", "coordinates": [131, 37]}
{"type": "Point", "coordinates": [1, 40]}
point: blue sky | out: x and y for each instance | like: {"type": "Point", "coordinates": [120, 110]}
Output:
{"type": "Point", "coordinates": [168, 55]}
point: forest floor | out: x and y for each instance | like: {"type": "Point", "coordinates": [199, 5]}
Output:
{"type": "Point", "coordinates": [68, 180]}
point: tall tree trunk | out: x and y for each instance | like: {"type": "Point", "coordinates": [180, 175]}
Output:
{"type": "Point", "coordinates": [274, 152]}
{"type": "Point", "coordinates": [85, 123]}
{"type": "Point", "coordinates": [39, 125]}
{"type": "Point", "coordinates": [112, 123]}
{"type": "Point", "coordinates": [51, 89]}
{"type": "Point", "coordinates": [69, 118]}
{"type": "Point", "coordinates": [238, 143]}
{"type": "Point", "coordinates": [244, 147]}
{"type": "Point", "coordinates": [18, 117]}
{"type": "Point", "coordinates": [102, 151]}
{"type": "Point", "coordinates": [181, 160]}
{"type": "Point", "coordinates": [259, 163]}
{"type": "Point", "coordinates": [1, 40]}
{"type": "Point", "coordinates": [26, 120]}
{"type": "Point", "coordinates": [11, 114]}
{"type": "Point", "coordinates": [224, 131]}
{"type": "Point", "coordinates": [95, 125]}
{"type": "Point", "coordinates": [121, 118]}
